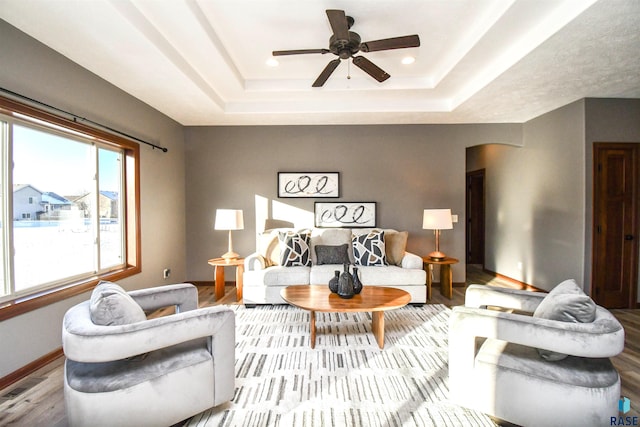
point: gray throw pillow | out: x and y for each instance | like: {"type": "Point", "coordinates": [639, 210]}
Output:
{"type": "Point", "coordinates": [111, 305]}
{"type": "Point", "coordinates": [566, 303]}
{"type": "Point", "coordinates": [327, 254]}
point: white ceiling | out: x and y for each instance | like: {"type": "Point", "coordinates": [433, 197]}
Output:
{"type": "Point", "coordinates": [203, 62]}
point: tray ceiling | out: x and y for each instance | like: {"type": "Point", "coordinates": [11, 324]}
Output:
{"type": "Point", "coordinates": [204, 62]}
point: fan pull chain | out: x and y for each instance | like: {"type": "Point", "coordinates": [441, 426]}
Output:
{"type": "Point", "coordinates": [348, 70]}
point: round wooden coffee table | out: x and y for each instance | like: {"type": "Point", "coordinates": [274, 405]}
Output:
{"type": "Point", "coordinates": [376, 299]}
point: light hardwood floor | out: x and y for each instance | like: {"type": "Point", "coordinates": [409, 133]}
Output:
{"type": "Point", "coordinates": [42, 404]}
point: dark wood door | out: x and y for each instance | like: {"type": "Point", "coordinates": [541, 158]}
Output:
{"type": "Point", "coordinates": [475, 217]}
{"type": "Point", "coordinates": [615, 225]}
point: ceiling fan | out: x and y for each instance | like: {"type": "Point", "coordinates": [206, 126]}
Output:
{"type": "Point", "coordinates": [345, 44]}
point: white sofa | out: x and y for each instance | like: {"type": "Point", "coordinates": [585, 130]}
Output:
{"type": "Point", "coordinates": [264, 276]}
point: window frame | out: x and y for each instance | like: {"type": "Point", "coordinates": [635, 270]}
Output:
{"type": "Point", "coordinates": [131, 219]}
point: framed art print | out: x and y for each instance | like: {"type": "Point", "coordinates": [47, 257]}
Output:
{"type": "Point", "coordinates": [308, 184]}
{"type": "Point", "coordinates": [345, 214]}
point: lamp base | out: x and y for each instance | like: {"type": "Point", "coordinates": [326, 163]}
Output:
{"type": "Point", "coordinates": [437, 256]}
{"type": "Point", "coordinates": [230, 255]}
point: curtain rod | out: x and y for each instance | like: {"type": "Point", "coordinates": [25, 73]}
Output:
{"type": "Point", "coordinates": [84, 119]}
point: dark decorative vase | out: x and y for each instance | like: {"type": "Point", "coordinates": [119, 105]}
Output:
{"type": "Point", "coordinates": [357, 284]}
{"type": "Point", "coordinates": [333, 283]}
{"type": "Point", "coordinates": [345, 284]}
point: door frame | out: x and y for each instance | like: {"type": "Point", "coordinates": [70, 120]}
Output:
{"type": "Point", "coordinates": [597, 147]}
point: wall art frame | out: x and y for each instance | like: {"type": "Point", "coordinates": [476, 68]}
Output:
{"type": "Point", "coordinates": [308, 184]}
{"type": "Point", "coordinates": [345, 214]}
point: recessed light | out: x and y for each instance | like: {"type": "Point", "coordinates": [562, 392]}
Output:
{"type": "Point", "coordinates": [272, 62]}
{"type": "Point", "coordinates": [408, 60]}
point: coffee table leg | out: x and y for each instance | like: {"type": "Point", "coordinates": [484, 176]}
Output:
{"type": "Point", "coordinates": [312, 329]}
{"type": "Point", "coordinates": [377, 325]}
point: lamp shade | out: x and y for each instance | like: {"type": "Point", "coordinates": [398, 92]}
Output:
{"type": "Point", "coordinates": [437, 219]}
{"type": "Point", "coordinates": [229, 219]}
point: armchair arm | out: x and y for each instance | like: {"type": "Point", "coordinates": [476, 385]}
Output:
{"type": "Point", "coordinates": [486, 295]}
{"type": "Point", "coordinates": [604, 337]}
{"type": "Point", "coordinates": [254, 262]}
{"type": "Point", "coordinates": [83, 341]}
{"type": "Point", "coordinates": [183, 295]}
{"type": "Point", "coordinates": [412, 261]}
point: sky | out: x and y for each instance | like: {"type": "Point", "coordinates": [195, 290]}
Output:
{"type": "Point", "coordinates": [53, 163]}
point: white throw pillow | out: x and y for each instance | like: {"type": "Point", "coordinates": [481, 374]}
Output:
{"type": "Point", "coordinates": [111, 305]}
{"type": "Point", "coordinates": [566, 303]}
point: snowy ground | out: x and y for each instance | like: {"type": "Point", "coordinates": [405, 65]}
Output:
{"type": "Point", "coordinates": [45, 254]}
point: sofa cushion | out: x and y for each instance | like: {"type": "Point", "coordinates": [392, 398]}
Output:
{"type": "Point", "coordinates": [110, 305]}
{"type": "Point", "coordinates": [277, 276]}
{"type": "Point", "coordinates": [566, 303]}
{"type": "Point", "coordinates": [369, 249]}
{"type": "Point", "coordinates": [329, 254]}
{"type": "Point", "coordinates": [395, 244]}
{"type": "Point", "coordinates": [375, 276]}
{"type": "Point", "coordinates": [294, 249]}
{"type": "Point", "coordinates": [391, 275]}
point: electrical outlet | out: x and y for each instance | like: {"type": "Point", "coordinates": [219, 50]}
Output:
{"type": "Point", "coordinates": [454, 218]}
{"type": "Point", "coordinates": [166, 273]}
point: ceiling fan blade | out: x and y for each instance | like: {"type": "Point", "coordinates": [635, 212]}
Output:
{"type": "Point", "coordinates": [339, 25]}
{"type": "Point", "coordinates": [392, 43]}
{"type": "Point", "coordinates": [370, 68]}
{"type": "Point", "coordinates": [298, 52]}
{"type": "Point", "coordinates": [331, 66]}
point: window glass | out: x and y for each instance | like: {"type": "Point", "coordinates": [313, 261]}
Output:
{"type": "Point", "coordinates": [110, 210]}
{"type": "Point", "coordinates": [52, 204]}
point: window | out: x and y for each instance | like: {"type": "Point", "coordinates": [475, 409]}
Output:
{"type": "Point", "coordinates": [72, 217]}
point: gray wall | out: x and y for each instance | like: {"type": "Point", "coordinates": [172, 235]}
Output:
{"type": "Point", "coordinates": [539, 196]}
{"type": "Point", "coordinates": [36, 71]}
{"type": "Point", "coordinates": [405, 169]}
{"type": "Point", "coordinates": [535, 200]}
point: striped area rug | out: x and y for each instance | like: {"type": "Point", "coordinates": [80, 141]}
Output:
{"type": "Point", "coordinates": [347, 380]}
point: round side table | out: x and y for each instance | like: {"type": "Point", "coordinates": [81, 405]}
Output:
{"type": "Point", "coordinates": [446, 278]}
{"type": "Point", "coordinates": [219, 264]}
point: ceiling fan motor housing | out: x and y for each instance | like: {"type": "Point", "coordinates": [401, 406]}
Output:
{"type": "Point", "coordinates": [345, 48]}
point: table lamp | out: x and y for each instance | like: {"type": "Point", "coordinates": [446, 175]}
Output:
{"type": "Point", "coordinates": [229, 219]}
{"type": "Point", "coordinates": [436, 220]}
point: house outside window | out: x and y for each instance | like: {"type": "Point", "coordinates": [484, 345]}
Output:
{"type": "Point", "coordinates": [72, 218]}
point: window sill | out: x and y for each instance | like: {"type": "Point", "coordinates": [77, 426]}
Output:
{"type": "Point", "coordinates": [13, 308]}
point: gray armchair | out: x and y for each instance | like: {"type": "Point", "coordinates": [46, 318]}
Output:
{"type": "Point", "coordinates": [150, 372]}
{"type": "Point", "coordinates": [498, 363]}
